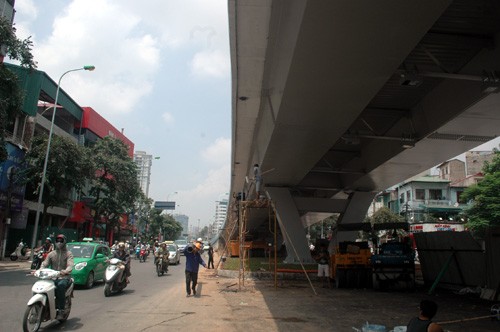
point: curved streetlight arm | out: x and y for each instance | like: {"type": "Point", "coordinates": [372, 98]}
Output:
{"type": "Point", "coordinates": [44, 172]}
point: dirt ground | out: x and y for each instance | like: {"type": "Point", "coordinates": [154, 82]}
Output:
{"type": "Point", "coordinates": [293, 305]}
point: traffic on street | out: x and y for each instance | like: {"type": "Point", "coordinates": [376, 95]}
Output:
{"type": "Point", "coordinates": [149, 300]}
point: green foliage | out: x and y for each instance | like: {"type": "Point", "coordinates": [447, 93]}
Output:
{"type": "Point", "coordinates": [327, 225]}
{"type": "Point", "coordinates": [485, 198]}
{"type": "Point", "coordinates": [385, 215]}
{"type": "Point", "coordinates": [11, 96]}
{"type": "Point", "coordinates": [203, 233]}
{"type": "Point", "coordinates": [66, 168]}
{"type": "Point", "coordinates": [154, 222]}
{"type": "Point", "coordinates": [114, 184]}
{"type": "Point", "coordinates": [381, 216]}
{"type": "Point", "coordinates": [261, 264]}
{"type": "Point", "coordinates": [17, 49]}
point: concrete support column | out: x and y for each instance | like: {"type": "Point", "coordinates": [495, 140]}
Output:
{"type": "Point", "coordinates": [355, 212]}
{"type": "Point", "coordinates": [291, 226]}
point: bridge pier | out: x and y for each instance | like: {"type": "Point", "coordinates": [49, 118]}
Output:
{"type": "Point", "coordinates": [291, 226]}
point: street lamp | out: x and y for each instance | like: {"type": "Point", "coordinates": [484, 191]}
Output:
{"type": "Point", "coordinates": [44, 173]}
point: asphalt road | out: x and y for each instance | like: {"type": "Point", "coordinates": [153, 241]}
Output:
{"type": "Point", "coordinates": [147, 300]}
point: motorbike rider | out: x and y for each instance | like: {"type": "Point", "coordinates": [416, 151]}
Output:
{"type": "Point", "coordinates": [162, 250]}
{"type": "Point", "coordinates": [60, 259]}
{"type": "Point", "coordinates": [124, 256]}
{"type": "Point", "coordinates": [47, 246]}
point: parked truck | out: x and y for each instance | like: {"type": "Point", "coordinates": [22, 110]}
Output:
{"type": "Point", "coordinates": [350, 265]}
{"type": "Point", "coordinates": [393, 263]}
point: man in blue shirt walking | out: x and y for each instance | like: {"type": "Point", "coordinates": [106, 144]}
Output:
{"type": "Point", "coordinates": [193, 262]}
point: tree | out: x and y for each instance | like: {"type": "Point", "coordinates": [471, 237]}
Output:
{"type": "Point", "coordinates": [203, 233]}
{"type": "Point", "coordinates": [385, 215]}
{"type": "Point", "coordinates": [484, 197]}
{"type": "Point", "coordinates": [326, 225]}
{"type": "Point", "coordinates": [11, 96]}
{"type": "Point", "coordinates": [171, 228]}
{"type": "Point", "coordinates": [382, 216]}
{"type": "Point", "coordinates": [143, 211]}
{"type": "Point", "coordinates": [67, 169]}
{"type": "Point", "coordinates": [114, 185]}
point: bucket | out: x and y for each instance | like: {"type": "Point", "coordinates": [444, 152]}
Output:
{"type": "Point", "coordinates": [398, 329]}
{"type": "Point", "coordinates": [373, 328]}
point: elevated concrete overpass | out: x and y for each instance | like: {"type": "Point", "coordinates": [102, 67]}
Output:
{"type": "Point", "coordinates": [337, 100]}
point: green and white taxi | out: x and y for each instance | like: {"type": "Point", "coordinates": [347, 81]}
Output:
{"type": "Point", "coordinates": [91, 260]}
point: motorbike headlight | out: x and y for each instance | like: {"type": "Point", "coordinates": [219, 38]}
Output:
{"type": "Point", "coordinates": [80, 266]}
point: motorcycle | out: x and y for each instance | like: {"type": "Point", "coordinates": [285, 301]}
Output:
{"type": "Point", "coordinates": [162, 264]}
{"type": "Point", "coordinates": [38, 258]}
{"type": "Point", "coordinates": [22, 251]}
{"type": "Point", "coordinates": [137, 252]}
{"type": "Point", "coordinates": [143, 255]}
{"type": "Point", "coordinates": [42, 305]}
{"type": "Point", "coordinates": [115, 279]}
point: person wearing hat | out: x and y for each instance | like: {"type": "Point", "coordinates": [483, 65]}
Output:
{"type": "Point", "coordinates": [200, 241]}
{"type": "Point", "coordinates": [60, 259]}
{"type": "Point", "coordinates": [47, 246]}
{"type": "Point", "coordinates": [122, 254]}
{"type": "Point", "coordinates": [193, 262]}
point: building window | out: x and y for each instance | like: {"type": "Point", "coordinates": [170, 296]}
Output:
{"type": "Point", "coordinates": [402, 198]}
{"type": "Point", "coordinates": [434, 194]}
{"type": "Point", "coordinates": [408, 195]}
{"type": "Point", "coordinates": [420, 194]}
{"type": "Point", "coordinates": [459, 197]}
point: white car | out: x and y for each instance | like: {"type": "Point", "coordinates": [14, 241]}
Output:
{"type": "Point", "coordinates": [174, 257]}
{"type": "Point", "coordinates": [181, 244]}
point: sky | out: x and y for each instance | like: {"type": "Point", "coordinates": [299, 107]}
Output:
{"type": "Point", "coordinates": [162, 74]}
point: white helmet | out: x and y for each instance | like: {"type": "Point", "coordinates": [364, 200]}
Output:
{"type": "Point", "coordinates": [200, 239]}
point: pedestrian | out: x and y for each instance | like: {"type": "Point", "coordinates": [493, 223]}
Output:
{"type": "Point", "coordinates": [424, 323]}
{"type": "Point", "coordinates": [324, 266]}
{"type": "Point", "coordinates": [210, 256]}
{"type": "Point", "coordinates": [193, 262]}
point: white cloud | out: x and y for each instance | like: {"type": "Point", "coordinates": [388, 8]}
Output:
{"type": "Point", "coordinates": [219, 152]}
{"type": "Point", "coordinates": [167, 117]}
{"type": "Point", "coordinates": [28, 8]}
{"type": "Point", "coordinates": [126, 57]}
{"type": "Point", "coordinates": [208, 191]}
{"type": "Point", "coordinates": [210, 64]}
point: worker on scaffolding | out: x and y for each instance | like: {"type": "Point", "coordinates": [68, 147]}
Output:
{"type": "Point", "coordinates": [258, 179]}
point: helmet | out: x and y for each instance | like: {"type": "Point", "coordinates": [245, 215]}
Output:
{"type": "Point", "coordinates": [121, 245]}
{"type": "Point", "coordinates": [48, 239]}
{"type": "Point", "coordinates": [61, 236]}
{"type": "Point", "coordinates": [200, 239]}
{"type": "Point", "coordinates": [163, 244]}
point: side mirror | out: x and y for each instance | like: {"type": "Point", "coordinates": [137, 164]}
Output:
{"type": "Point", "coordinates": [98, 256]}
